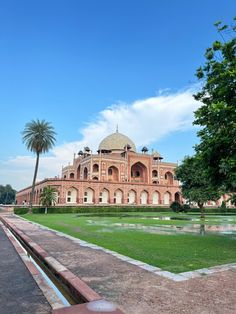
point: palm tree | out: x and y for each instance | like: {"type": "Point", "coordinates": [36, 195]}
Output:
{"type": "Point", "coordinates": [39, 137]}
{"type": "Point", "coordinates": [48, 197]}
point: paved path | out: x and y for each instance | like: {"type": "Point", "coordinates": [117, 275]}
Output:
{"type": "Point", "coordinates": [19, 293]}
{"type": "Point", "coordinates": [135, 290]}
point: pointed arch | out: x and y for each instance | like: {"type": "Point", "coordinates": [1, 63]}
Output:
{"type": "Point", "coordinates": [169, 178]}
{"type": "Point", "coordinates": [78, 173]}
{"type": "Point", "coordinates": [144, 197]}
{"type": "Point", "coordinates": [113, 174]}
{"type": "Point", "coordinates": [118, 196]}
{"type": "Point", "coordinates": [139, 172]}
{"type": "Point", "coordinates": [95, 167]}
{"type": "Point", "coordinates": [167, 198]}
{"type": "Point", "coordinates": [72, 175]}
{"type": "Point", "coordinates": [177, 197]}
{"type": "Point", "coordinates": [132, 197]}
{"type": "Point", "coordinates": [89, 196]}
{"type": "Point", "coordinates": [156, 197]}
{"type": "Point", "coordinates": [104, 196]}
{"type": "Point", "coordinates": [154, 173]}
{"type": "Point", "coordinates": [71, 195]}
{"type": "Point", "coordinates": [85, 177]}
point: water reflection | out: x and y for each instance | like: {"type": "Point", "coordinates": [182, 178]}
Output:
{"type": "Point", "coordinates": [201, 229]}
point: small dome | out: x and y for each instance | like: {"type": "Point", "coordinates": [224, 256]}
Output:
{"type": "Point", "coordinates": [116, 142]}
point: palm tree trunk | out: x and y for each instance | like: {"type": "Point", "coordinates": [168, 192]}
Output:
{"type": "Point", "coordinates": [33, 184]}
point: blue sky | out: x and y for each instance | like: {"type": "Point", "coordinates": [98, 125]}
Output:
{"type": "Point", "coordinates": [87, 65]}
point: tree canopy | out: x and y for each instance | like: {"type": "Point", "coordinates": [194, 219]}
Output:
{"type": "Point", "coordinates": [7, 194]}
{"type": "Point", "coordinates": [194, 182]}
{"type": "Point", "coordinates": [39, 137]}
{"type": "Point", "coordinates": [48, 197]}
{"type": "Point", "coordinates": [212, 170]}
{"type": "Point", "coordinates": [217, 115]}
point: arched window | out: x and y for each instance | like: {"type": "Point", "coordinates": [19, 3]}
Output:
{"type": "Point", "coordinates": [113, 174]}
{"type": "Point", "coordinates": [95, 168]}
{"type": "Point", "coordinates": [78, 173]}
{"type": "Point", "coordinates": [154, 173]}
{"type": "Point", "coordinates": [139, 172]}
{"type": "Point", "coordinates": [169, 177]}
{"type": "Point", "coordinates": [85, 173]}
{"type": "Point", "coordinates": [72, 175]}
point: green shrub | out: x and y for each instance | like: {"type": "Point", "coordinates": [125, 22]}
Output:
{"type": "Point", "coordinates": [186, 208]}
{"type": "Point", "coordinates": [21, 210]}
{"type": "Point", "coordinates": [176, 207]}
{"type": "Point", "coordinates": [98, 209]}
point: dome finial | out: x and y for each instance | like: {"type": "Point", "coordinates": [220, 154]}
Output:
{"type": "Point", "coordinates": [117, 128]}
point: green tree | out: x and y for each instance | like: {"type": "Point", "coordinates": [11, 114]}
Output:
{"type": "Point", "coordinates": [7, 194]}
{"type": "Point", "coordinates": [194, 182]}
{"type": "Point", "coordinates": [48, 197]}
{"type": "Point", "coordinates": [39, 137]}
{"type": "Point", "coordinates": [217, 115]}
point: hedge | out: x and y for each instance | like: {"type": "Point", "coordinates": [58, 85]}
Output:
{"type": "Point", "coordinates": [114, 209]}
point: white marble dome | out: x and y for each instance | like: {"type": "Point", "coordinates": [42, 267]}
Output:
{"type": "Point", "coordinates": [116, 142]}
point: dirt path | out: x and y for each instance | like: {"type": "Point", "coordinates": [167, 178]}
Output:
{"type": "Point", "coordinates": [136, 291]}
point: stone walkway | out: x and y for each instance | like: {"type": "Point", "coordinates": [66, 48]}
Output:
{"type": "Point", "coordinates": [19, 292]}
{"type": "Point", "coordinates": [134, 289]}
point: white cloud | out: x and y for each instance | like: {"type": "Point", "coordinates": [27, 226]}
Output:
{"type": "Point", "coordinates": [145, 121]}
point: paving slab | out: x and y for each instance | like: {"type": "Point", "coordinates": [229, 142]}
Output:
{"type": "Point", "coordinates": [134, 289]}
{"type": "Point", "coordinates": [19, 293]}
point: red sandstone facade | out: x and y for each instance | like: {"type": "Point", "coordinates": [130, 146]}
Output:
{"type": "Point", "coordinates": [117, 174]}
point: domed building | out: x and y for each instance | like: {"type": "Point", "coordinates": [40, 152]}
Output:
{"type": "Point", "coordinates": [116, 174]}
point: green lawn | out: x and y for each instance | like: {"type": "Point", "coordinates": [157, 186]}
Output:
{"type": "Point", "coordinates": [175, 253]}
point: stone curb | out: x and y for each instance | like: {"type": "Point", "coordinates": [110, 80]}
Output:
{"type": "Point", "coordinates": [76, 286]}
{"type": "Point", "coordinates": [48, 292]}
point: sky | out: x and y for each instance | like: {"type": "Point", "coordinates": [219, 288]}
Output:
{"type": "Point", "coordinates": [88, 66]}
